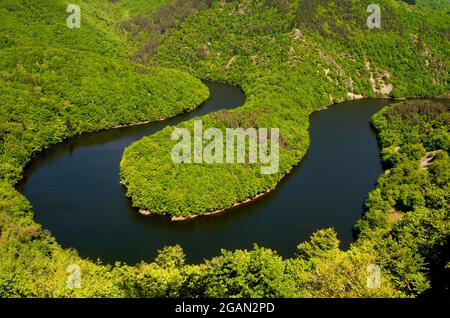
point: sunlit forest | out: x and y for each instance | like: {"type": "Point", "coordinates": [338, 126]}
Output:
{"type": "Point", "coordinates": [136, 61]}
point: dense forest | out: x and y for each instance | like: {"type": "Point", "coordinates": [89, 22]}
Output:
{"type": "Point", "coordinates": [291, 58]}
{"type": "Point", "coordinates": [135, 61]}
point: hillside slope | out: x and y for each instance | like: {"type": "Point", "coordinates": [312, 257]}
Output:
{"type": "Point", "coordinates": [57, 82]}
{"type": "Point", "coordinates": [291, 58]}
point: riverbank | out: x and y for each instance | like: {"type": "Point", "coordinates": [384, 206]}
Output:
{"type": "Point", "coordinates": [216, 212]}
{"type": "Point", "coordinates": [295, 203]}
{"type": "Point", "coordinates": [178, 218]}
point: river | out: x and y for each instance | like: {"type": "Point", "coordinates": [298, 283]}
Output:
{"type": "Point", "coordinates": [75, 191]}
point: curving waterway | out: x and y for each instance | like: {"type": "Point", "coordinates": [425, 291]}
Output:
{"type": "Point", "coordinates": [75, 191]}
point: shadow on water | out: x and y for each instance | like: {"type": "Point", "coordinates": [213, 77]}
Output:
{"type": "Point", "coordinates": [75, 191]}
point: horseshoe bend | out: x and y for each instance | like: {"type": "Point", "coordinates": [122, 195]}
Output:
{"type": "Point", "coordinates": [310, 160]}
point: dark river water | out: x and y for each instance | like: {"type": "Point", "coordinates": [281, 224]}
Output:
{"type": "Point", "coordinates": [75, 191]}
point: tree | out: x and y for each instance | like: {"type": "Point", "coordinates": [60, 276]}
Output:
{"type": "Point", "coordinates": [321, 242]}
{"type": "Point", "coordinates": [171, 257]}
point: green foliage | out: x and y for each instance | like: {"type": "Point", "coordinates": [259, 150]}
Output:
{"type": "Point", "coordinates": [51, 91]}
{"type": "Point", "coordinates": [171, 257]}
{"type": "Point", "coordinates": [252, 274]}
{"type": "Point", "coordinates": [407, 217]}
{"type": "Point", "coordinates": [288, 68]}
{"type": "Point", "coordinates": [148, 27]}
{"type": "Point", "coordinates": [56, 83]}
{"type": "Point", "coordinates": [443, 5]}
{"type": "Point", "coordinates": [338, 274]}
{"type": "Point", "coordinates": [321, 242]}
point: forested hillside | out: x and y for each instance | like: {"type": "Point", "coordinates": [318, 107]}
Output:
{"type": "Point", "coordinates": [129, 62]}
{"type": "Point", "coordinates": [57, 82]}
{"type": "Point", "coordinates": [291, 58]}
{"type": "Point", "coordinates": [407, 220]}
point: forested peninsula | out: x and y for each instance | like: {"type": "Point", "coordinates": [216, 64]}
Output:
{"type": "Point", "coordinates": [291, 58]}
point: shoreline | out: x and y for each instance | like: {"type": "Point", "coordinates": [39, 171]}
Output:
{"type": "Point", "coordinates": [215, 212]}
{"type": "Point", "coordinates": [149, 213]}
{"type": "Point", "coordinates": [145, 212]}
